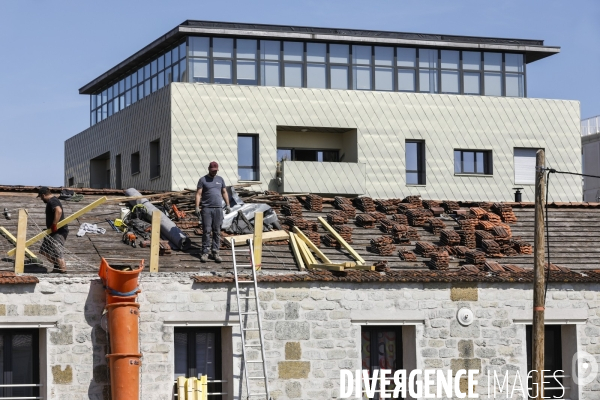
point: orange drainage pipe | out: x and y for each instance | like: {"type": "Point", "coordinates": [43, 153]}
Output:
{"type": "Point", "coordinates": [124, 375]}
{"type": "Point", "coordinates": [118, 280]}
{"type": "Point", "coordinates": [111, 299]}
{"type": "Point", "coordinates": [123, 327]}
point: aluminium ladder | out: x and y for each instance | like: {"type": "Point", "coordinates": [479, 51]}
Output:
{"type": "Point", "coordinates": [241, 296]}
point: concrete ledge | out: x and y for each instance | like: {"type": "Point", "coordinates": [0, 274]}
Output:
{"type": "Point", "coordinates": [204, 318]}
{"type": "Point", "coordinates": [553, 316]}
{"type": "Point", "coordinates": [28, 322]}
{"type": "Point", "coordinates": [374, 317]}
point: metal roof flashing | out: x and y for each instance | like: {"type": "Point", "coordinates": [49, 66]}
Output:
{"type": "Point", "coordinates": [534, 49]}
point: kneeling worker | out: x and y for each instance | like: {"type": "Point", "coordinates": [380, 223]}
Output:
{"type": "Point", "coordinates": [53, 244]}
{"type": "Point", "coordinates": [211, 189]}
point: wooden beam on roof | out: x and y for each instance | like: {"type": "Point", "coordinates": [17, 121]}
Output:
{"type": "Point", "coordinates": [296, 252]}
{"type": "Point", "coordinates": [155, 241]}
{"type": "Point", "coordinates": [62, 223]}
{"type": "Point", "coordinates": [342, 242]}
{"type": "Point", "coordinates": [241, 240]}
{"type": "Point", "coordinates": [306, 254]}
{"type": "Point", "coordinates": [257, 239]}
{"type": "Point", "coordinates": [311, 245]}
{"type": "Point", "coordinates": [9, 236]}
{"type": "Point", "coordinates": [329, 267]}
{"type": "Point", "coordinates": [21, 239]}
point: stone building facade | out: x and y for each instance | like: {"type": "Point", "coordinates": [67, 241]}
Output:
{"type": "Point", "coordinates": [312, 330]}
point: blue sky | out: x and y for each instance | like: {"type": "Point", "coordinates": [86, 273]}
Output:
{"type": "Point", "coordinates": [52, 48]}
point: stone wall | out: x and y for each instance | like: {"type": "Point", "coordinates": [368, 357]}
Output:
{"type": "Point", "coordinates": [312, 330]}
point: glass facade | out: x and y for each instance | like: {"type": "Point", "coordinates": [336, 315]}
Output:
{"type": "Point", "coordinates": [219, 60]}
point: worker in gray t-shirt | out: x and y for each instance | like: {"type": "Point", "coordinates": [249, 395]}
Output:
{"type": "Point", "coordinates": [211, 189]}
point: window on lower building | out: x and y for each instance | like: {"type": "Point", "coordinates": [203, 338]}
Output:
{"type": "Point", "coordinates": [381, 348]}
{"type": "Point", "coordinates": [71, 181]}
{"type": "Point", "coordinates": [198, 352]}
{"type": "Point", "coordinates": [308, 155]}
{"type": "Point", "coordinates": [154, 159]}
{"type": "Point", "coordinates": [473, 162]}
{"type": "Point", "coordinates": [248, 157]}
{"type": "Point", "coordinates": [552, 361]}
{"type": "Point", "coordinates": [135, 163]}
{"type": "Point", "coordinates": [525, 166]}
{"type": "Point", "coordinates": [415, 162]}
{"type": "Point", "coordinates": [19, 363]}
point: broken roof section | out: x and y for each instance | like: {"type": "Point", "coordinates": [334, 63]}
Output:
{"type": "Point", "coordinates": [406, 223]}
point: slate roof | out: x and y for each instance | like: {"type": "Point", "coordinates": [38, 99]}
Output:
{"type": "Point", "coordinates": [573, 227]}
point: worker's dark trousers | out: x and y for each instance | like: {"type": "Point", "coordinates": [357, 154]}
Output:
{"type": "Point", "coordinates": [212, 219]}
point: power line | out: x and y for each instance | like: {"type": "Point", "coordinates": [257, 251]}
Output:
{"type": "Point", "coordinates": [553, 171]}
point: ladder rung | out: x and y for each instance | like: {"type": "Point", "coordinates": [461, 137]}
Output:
{"type": "Point", "coordinates": [245, 281]}
{"type": "Point", "coordinates": [247, 313]}
{"type": "Point", "coordinates": [257, 394]}
{"type": "Point", "coordinates": [256, 377]}
{"type": "Point", "coordinates": [244, 265]}
{"type": "Point", "coordinates": [253, 345]}
{"type": "Point", "coordinates": [254, 361]}
{"type": "Point", "coordinates": [250, 329]}
{"type": "Point", "coordinates": [246, 297]}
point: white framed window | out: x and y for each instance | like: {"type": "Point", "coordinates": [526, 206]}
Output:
{"type": "Point", "coordinates": [524, 164]}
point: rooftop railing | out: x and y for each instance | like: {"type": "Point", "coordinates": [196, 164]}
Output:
{"type": "Point", "coordinates": [590, 126]}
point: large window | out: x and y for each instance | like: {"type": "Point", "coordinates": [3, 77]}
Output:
{"type": "Point", "coordinates": [135, 163]}
{"type": "Point", "coordinates": [248, 157]}
{"type": "Point", "coordinates": [473, 162]}
{"type": "Point", "coordinates": [308, 155]}
{"type": "Point", "coordinates": [170, 66]}
{"type": "Point", "coordinates": [19, 364]}
{"type": "Point", "coordinates": [381, 348]}
{"type": "Point", "coordinates": [415, 162]}
{"type": "Point", "coordinates": [552, 361]}
{"type": "Point", "coordinates": [198, 352]}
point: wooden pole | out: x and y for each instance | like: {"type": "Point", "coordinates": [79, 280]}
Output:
{"type": "Point", "coordinates": [155, 241]}
{"type": "Point", "coordinates": [539, 277]}
{"type": "Point", "coordinates": [21, 239]}
{"type": "Point", "coordinates": [257, 239]}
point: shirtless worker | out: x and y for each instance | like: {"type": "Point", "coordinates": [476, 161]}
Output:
{"type": "Point", "coordinates": [53, 244]}
{"type": "Point", "coordinates": [211, 189]}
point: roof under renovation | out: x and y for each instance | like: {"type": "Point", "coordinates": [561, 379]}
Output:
{"type": "Point", "coordinates": [407, 240]}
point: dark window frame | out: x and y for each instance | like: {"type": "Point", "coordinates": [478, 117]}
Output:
{"type": "Point", "coordinates": [7, 359]}
{"type": "Point", "coordinates": [213, 387]}
{"type": "Point", "coordinates": [154, 159]}
{"type": "Point", "coordinates": [294, 149]}
{"type": "Point", "coordinates": [255, 157]}
{"type": "Point", "coordinates": [487, 162]}
{"type": "Point", "coordinates": [553, 332]}
{"type": "Point", "coordinates": [421, 162]}
{"type": "Point", "coordinates": [135, 163]}
{"type": "Point", "coordinates": [374, 351]}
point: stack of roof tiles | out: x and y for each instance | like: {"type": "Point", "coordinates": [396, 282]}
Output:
{"type": "Point", "coordinates": [486, 225]}
{"type": "Point", "coordinates": [292, 208]}
{"type": "Point", "coordinates": [348, 210]}
{"type": "Point", "coordinates": [492, 266]}
{"type": "Point", "coordinates": [481, 236]}
{"type": "Point", "coordinates": [491, 247]}
{"type": "Point", "coordinates": [365, 204]}
{"type": "Point", "coordinates": [383, 246]}
{"type": "Point", "coordinates": [301, 223]}
{"type": "Point", "coordinates": [345, 231]}
{"type": "Point", "coordinates": [425, 248]}
{"type": "Point", "coordinates": [429, 204]}
{"type": "Point", "coordinates": [450, 206]}
{"type": "Point", "coordinates": [478, 212]}
{"type": "Point", "coordinates": [379, 216]}
{"type": "Point", "coordinates": [403, 208]}
{"type": "Point", "coordinates": [467, 233]}
{"type": "Point", "coordinates": [492, 217]}
{"type": "Point", "coordinates": [337, 217]}
{"type": "Point", "coordinates": [475, 257]}
{"type": "Point", "coordinates": [338, 200]}
{"type": "Point", "coordinates": [522, 247]}
{"type": "Point", "coordinates": [502, 236]}
{"type": "Point", "coordinates": [365, 220]}
{"type": "Point", "coordinates": [407, 255]}
{"type": "Point", "coordinates": [400, 219]}
{"type": "Point", "coordinates": [314, 237]}
{"type": "Point", "coordinates": [329, 241]}
{"type": "Point", "coordinates": [436, 225]}
{"type": "Point", "coordinates": [440, 260]}
{"type": "Point", "coordinates": [449, 237]}
{"type": "Point", "coordinates": [314, 202]}
{"type": "Point", "coordinates": [418, 216]}
{"type": "Point", "coordinates": [387, 225]}
{"type": "Point", "coordinates": [404, 233]}
{"type": "Point", "coordinates": [387, 206]}
{"type": "Point", "coordinates": [505, 211]}
{"type": "Point", "coordinates": [415, 200]}
{"type": "Point", "coordinates": [461, 251]}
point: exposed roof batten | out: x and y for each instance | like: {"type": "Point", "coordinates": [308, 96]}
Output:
{"type": "Point", "coordinates": [534, 49]}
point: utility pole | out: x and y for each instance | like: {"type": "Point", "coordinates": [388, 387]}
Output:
{"type": "Point", "coordinates": [539, 277]}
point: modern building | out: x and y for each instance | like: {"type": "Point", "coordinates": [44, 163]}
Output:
{"type": "Point", "coordinates": [590, 150]}
{"type": "Point", "coordinates": [330, 111]}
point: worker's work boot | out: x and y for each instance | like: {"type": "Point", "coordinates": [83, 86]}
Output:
{"type": "Point", "coordinates": [204, 257]}
{"type": "Point", "coordinates": [217, 257]}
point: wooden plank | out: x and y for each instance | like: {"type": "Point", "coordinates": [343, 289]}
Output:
{"type": "Point", "coordinates": [155, 241]}
{"type": "Point", "coordinates": [257, 239]}
{"type": "Point", "coordinates": [329, 267]}
{"type": "Point", "coordinates": [342, 242]}
{"type": "Point", "coordinates": [363, 267]}
{"type": "Point", "coordinates": [296, 252]}
{"type": "Point", "coordinates": [312, 246]}
{"type": "Point", "coordinates": [9, 236]}
{"type": "Point", "coordinates": [62, 223]}
{"type": "Point", "coordinates": [21, 239]}
{"type": "Point", "coordinates": [307, 255]}
{"type": "Point", "coordinates": [240, 240]}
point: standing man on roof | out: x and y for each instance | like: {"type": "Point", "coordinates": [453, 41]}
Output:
{"type": "Point", "coordinates": [211, 189]}
{"type": "Point", "coordinates": [53, 244]}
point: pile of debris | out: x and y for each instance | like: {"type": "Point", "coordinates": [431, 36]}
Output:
{"type": "Point", "coordinates": [383, 246]}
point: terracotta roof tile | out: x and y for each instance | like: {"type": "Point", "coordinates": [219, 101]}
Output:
{"type": "Point", "coordinates": [10, 278]}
